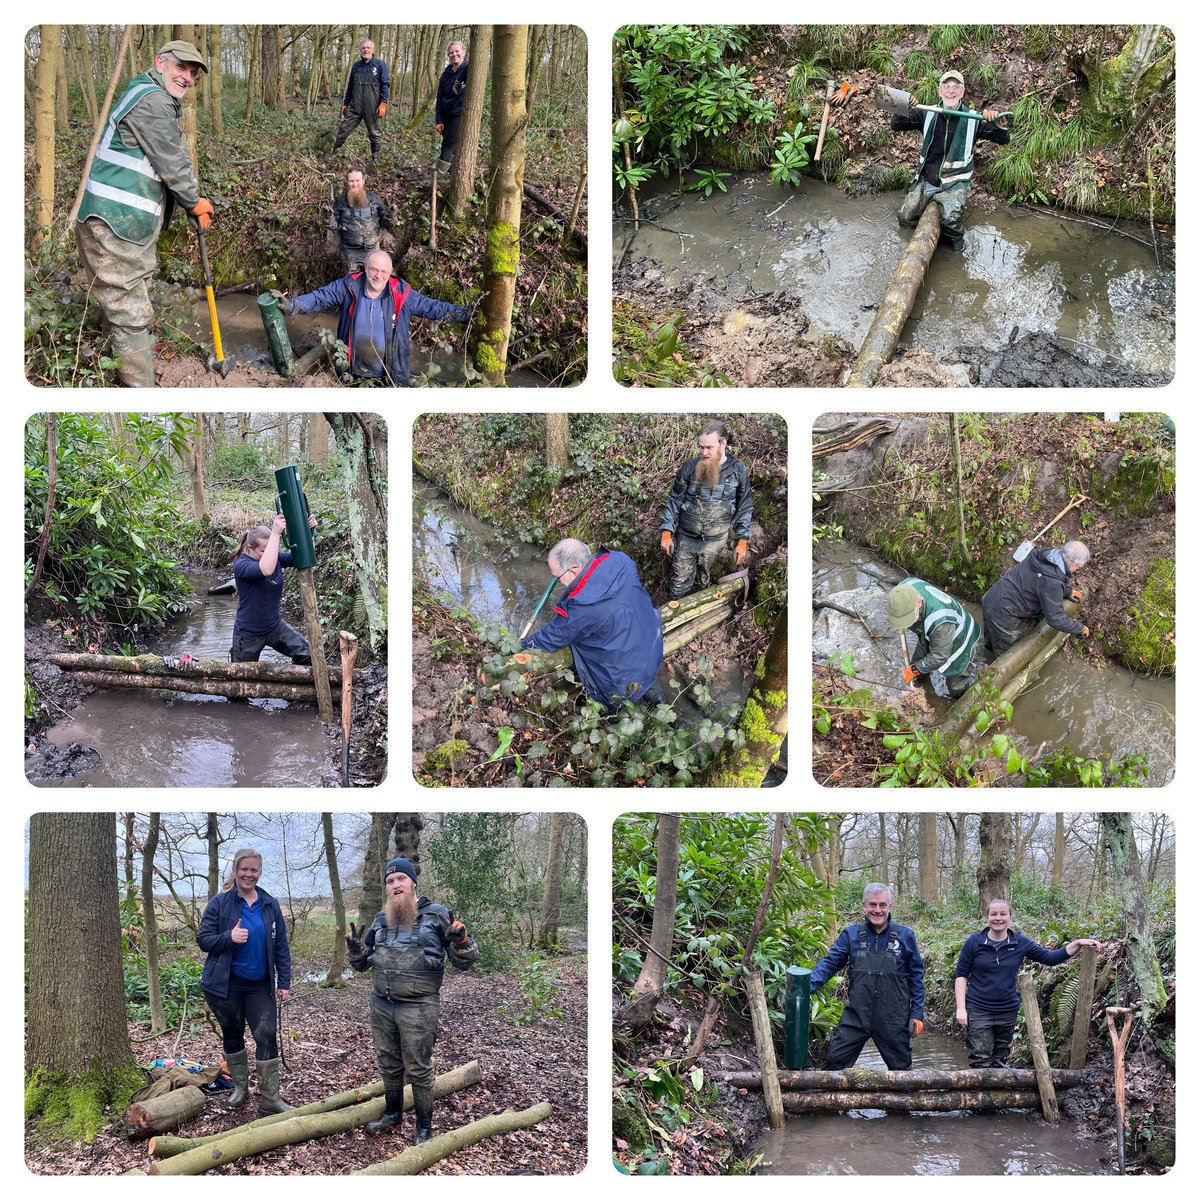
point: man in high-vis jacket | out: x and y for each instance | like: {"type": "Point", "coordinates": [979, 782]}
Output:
{"type": "Point", "coordinates": [406, 949]}
{"type": "Point", "coordinates": [946, 635]}
{"type": "Point", "coordinates": [947, 158]}
{"type": "Point", "coordinates": [140, 172]}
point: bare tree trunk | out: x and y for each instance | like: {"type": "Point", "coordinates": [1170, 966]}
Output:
{"type": "Point", "coordinates": [371, 897]}
{"type": "Point", "coordinates": [158, 1019]}
{"type": "Point", "coordinates": [958, 489]}
{"type": "Point", "coordinates": [87, 78]}
{"type": "Point", "coordinates": [503, 257]}
{"type": "Point", "coordinates": [466, 157]}
{"type": "Point", "coordinates": [253, 60]}
{"type": "Point", "coordinates": [317, 442]}
{"type": "Point", "coordinates": [215, 81]}
{"type": "Point", "coordinates": [130, 879]}
{"type": "Point", "coordinates": [196, 468]}
{"type": "Point", "coordinates": [187, 124]}
{"type": "Point", "coordinates": [882, 874]}
{"type": "Point", "coordinates": [1060, 849]}
{"type": "Point", "coordinates": [408, 827]}
{"type": "Point", "coordinates": [928, 857]}
{"type": "Point", "coordinates": [44, 140]}
{"type": "Point", "coordinates": [62, 94]}
{"type": "Point", "coordinates": [558, 442]}
{"type": "Point", "coordinates": [51, 491]}
{"type": "Point", "coordinates": [547, 936]}
{"type": "Point", "coordinates": [994, 874]}
{"type": "Point", "coordinates": [338, 965]}
{"type": "Point", "coordinates": [212, 841]}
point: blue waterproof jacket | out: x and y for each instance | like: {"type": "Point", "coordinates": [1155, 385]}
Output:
{"type": "Point", "coordinates": [406, 304]}
{"type": "Point", "coordinates": [612, 627]}
{"type": "Point", "coordinates": [214, 939]}
{"type": "Point", "coordinates": [369, 85]}
{"type": "Point", "coordinates": [991, 969]}
{"type": "Point", "coordinates": [451, 93]}
{"type": "Point", "coordinates": [899, 939]}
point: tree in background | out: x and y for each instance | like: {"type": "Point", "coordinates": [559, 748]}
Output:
{"type": "Point", "coordinates": [49, 63]}
{"type": "Point", "coordinates": [994, 874]}
{"type": "Point", "coordinates": [466, 157]}
{"type": "Point", "coordinates": [547, 936]}
{"type": "Point", "coordinates": [338, 964]}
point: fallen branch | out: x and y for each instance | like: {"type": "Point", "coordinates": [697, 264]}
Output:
{"type": "Point", "coordinates": [866, 1079]}
{"type": "Point", "coordinates": [240, 688]}
{"type": "Point", "coordinates": [949, 1101]}
{"type": "Point", "coordinates": [210, 668]}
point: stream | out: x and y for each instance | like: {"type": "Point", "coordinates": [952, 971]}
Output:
{"type": "Point", "coordinates": [1100, 295]}
{"type": "Point", "coordinates": [873, 1142]}
{"type": "Point", "coordinates": [146, 738]}
{"type": "Point", "coordinates": [1100, 713]}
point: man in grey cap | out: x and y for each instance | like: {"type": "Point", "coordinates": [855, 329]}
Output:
{"type": "Point", "coordinates": [946, 635]}
{"type": "Point", "coordinates": [406, 949]}
{"type": "Point", "coordinates": [947, 158]}
{"type": "Point", "coordinates": [140, 172]}
{"type": "Point", "coordinates": [1033, 590]}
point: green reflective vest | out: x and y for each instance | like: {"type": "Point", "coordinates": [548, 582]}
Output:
{"type": "Point", "coordinates": [940, 609]}
{"type": "Point", "coordinates": [123, 188]}
{"type": "Point", "coordinates": [959, 164]}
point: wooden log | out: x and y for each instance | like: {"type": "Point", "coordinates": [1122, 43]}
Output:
{"type": "Point", "coordinates": [898, 300]}
{"type": "Point", "coordinates": [1083, 1007]}
{"type": "Point", "coordinates": [152, 1116]}
{"type": "Point", "coordinates": [1037, 1046]}
{"type": "Point", "coordinates": [415, 1159]}
{"type": "Point", "coordinates": [756, 994]}
{"type": "Point", "coordinates": [452, 1081]}
{"type": "Point", "coordinates": [205, 687]}
{"type": "Point", "coordinates": [869, 1079]}
{"type": "Point", "coordinates": [261, 1136]}
{"type": "Point", "coordinates": [316, 641]}
{"type": "Point", "coordinates": [208, 668]}
{"type": "Point", "coordinates": [952, 1101]}
{"type": "Point", "coordinates": [683, 635]}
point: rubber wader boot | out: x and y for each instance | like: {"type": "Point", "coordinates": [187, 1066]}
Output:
{"type": "Point", "coordinates": [268, 1088]}
{"type": "Point", "coordinates": [239, 1072]}
{"type": "Point", "coordinates": [393, 1112]}
{"type": "Point", "coordinates": [423, 1106]}
{"type": "Point", "coordinates": [135, 348]}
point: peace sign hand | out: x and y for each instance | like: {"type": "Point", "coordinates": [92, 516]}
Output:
{"type": "Point", "coordinates": [354, 942]}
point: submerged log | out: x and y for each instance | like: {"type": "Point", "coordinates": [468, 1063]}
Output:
{"type": "Point", "coordinates": [248, 1140]}
{"type": "Point", "coordinates": [415, 1159]}
{"type": "Point", "coordinates": [866, 1079]}
{"type": "Point", "coordinates": [239, 688]}
{"type": "Point", "coordinates": [452, 1081]}
{"type": "Point", "coordinates": [208, 668]}
{"type": "Point", "coordinates": [802, 1102]}
{"type": "Point", "coordinates": [152, 1116]}
{"type": "Point", "coordinates": [898, 300]}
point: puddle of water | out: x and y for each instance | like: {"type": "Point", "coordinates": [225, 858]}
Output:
{"type": "Point", "coordinates": [874, 1142]}
{"type": "Point", "coordinates": [181, 739]}
{"type": "Point", "coordinates": [1102, 294]}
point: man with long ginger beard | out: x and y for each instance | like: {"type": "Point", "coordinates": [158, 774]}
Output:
{"type": "Point", "coordinates": [406, 948]}
{"type": "Point", "coordinates": [709, 499]}
{"type": "Point", "coordinates": [359, 218]}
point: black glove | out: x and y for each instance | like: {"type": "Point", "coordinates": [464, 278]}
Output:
{"type": "Point", "coordinates": [354, 944]}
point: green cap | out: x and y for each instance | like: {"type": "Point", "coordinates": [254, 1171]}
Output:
{"type": "Point", "coordinates": [902, 606]}
{"type": "Point", "coordinates": [948, 75]}
{"type": "Point", "coordinates": [186, 53]}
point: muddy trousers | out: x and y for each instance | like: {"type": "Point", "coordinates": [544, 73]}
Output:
{"type": "Point", "coordinates": [351, 121]}
{"type": "Point", "coordinates": [952, 201]}
{"type": "Point", "coordinates": [878, 1009]}
{"type": "Point", "coordinates": [998, 638]}
{"type": "Point", "coordinates": [118, 274]}
{"type": "Point", "coordinates": [354, 258]}
{"type": "Point", "coordinates": [250, 1004]}
{"type": "Point", "coordinates": [404, 1032]}
{"type": "Point", "coordinates": [282, 638]}
{"type": "Point", "coordinates": [692, 561]}
{"type": "Point", "coordinates": [451, 132]}
{"type": "Point", "coordinates": [989, 1038]}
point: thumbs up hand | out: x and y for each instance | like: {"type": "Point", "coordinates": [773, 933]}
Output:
{"type": "Point", "coordinates": [239, 935]}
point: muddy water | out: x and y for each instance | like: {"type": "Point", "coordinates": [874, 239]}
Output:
{"type": "Point", "coordinates": [874, 1142]}
{"type": "Point", "coordinates": [1100, 294]}
{"type": "Point", "coordinates": [179, 739]}
{"type": "Point", "coordinates": [1098, 713]}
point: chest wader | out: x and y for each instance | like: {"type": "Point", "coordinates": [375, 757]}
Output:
{"type": "Point", "coordinates": [705, 519]}
{"type": "Point", "coordinates": [366, 88]}
{"type": "Point", "coordinates": [878, 1009]}
{"type": "Point", "coordinates": [407, 968]}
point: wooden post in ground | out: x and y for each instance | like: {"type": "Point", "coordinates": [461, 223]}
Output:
{"type": "Point", "coordinates": [757, 995]}
{"type": "Point", "coordinates": [316, 642]}
{"type": "Point", "coordinates": [1037, 1045]}
{"type": "Point", "coordinates": [1083, 1007]}
{"type": "Point", "coordinates": [898, 300]}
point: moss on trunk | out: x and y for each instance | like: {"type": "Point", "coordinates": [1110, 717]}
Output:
{"type": "Point", "coordinates": [73, 1109]}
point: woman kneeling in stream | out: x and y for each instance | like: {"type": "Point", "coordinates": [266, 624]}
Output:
{"type": "Point", "coordinates": [258, 571]}
{"type": "Point", "coordinates": [985, 983]}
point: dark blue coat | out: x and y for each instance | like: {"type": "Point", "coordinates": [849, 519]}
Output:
{"type": "Point", "coordinates": [369, 85]}
{"type": "Point", "coordinates": [903, 943]}
{"type": "Point", "coordinates": [221, 915]}
{"type": "Point", "coordinates": [451, 93]}
{"type": "Point", "coordinates": [406, 303]}
{"type": "Point", "coordinates": [1032, 591]}
{"type": "Point", "coordinates": [991, 969]}
{"type": "Point", "coordinates": [612, 627]}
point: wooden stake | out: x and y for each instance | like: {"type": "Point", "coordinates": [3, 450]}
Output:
{"type": "Point", "coordinates": [756, 994]}
{"type": "Point", "coordinates": [316, 643]}
{"type": "Point", "coordinates": [1120, 1039]}
{"type": "Point", "coordinates": [348, 644]}
{"type": "Point", "coordinates": [1037, 1045]}
{"type": "Point", "coordinates": [98, 132]}
{"type": "Point", "coordinates": [1083, 1007]}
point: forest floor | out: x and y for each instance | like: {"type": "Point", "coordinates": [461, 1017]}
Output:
{"type": "Point", "coordinates": [327, 1049]}
{"type": "Point", "coordinates": [614, 496]}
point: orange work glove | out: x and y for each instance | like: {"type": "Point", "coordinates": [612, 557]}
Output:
{"type": "Point", "coordinates": [1087, 632]}
{"type": "Point", "coordinates": [203, 212]}
{"type": "Point", "coordinates": [668, 542]}
{"type": "Point", "coordinates": [343, 110]}
{"type": "Point", "coordinates": [458, 934]}
{"type": "Point", "coordinates": [742, 547]}
{"type": "Point", "coordinates": [916, 1028]}
{"type": "Point", "coordinates": [1076, 595]}
{"type": "Point", "coordinates": [910, 674]}
{"type": "Point", "coordinates": [439, 128]}
{"type": "Point", "coordinates": [382, 110]}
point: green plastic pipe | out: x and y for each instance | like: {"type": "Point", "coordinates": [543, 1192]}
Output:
{"type": "Point", "coordinates": [278, 342]}
{"type": "Point", "coordinates": [292, 502]}
{"type": "Point", "coordinates": [795, 1046]}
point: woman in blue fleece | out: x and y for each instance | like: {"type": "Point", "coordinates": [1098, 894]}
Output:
{"type": "Point", "coordinates": [985, 983]}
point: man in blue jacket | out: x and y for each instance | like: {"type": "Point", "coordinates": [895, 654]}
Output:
{"type": "Point", "coordinates": [376, 307]}
{"type": "Point", "coordinates": [608, 620]}
{"type": "Point", "coordinates": [887, 986]}
{"type": "Point", "coordinates": [366, 99]}
{"type": "Point", "coordinates": [1032, 591]}
{"type": "Point", "coordinates": [451, 96]}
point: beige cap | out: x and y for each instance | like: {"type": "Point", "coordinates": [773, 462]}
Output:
{"type": "Point", "coordinates": [186, 53]}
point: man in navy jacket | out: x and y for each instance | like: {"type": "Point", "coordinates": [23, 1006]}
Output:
{"type": "Point", "coordinates": [366, 99]}
{"type": "Point", "coordinates": [887, 986]}
{"type": "Point", "coordinates": [608, 620]}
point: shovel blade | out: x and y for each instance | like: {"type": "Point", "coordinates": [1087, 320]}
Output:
{"type": "Point", "coordinates": [1022, 552]}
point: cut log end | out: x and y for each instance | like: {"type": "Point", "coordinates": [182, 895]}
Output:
{"type": "Point", "coordinates": [522, 659]}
